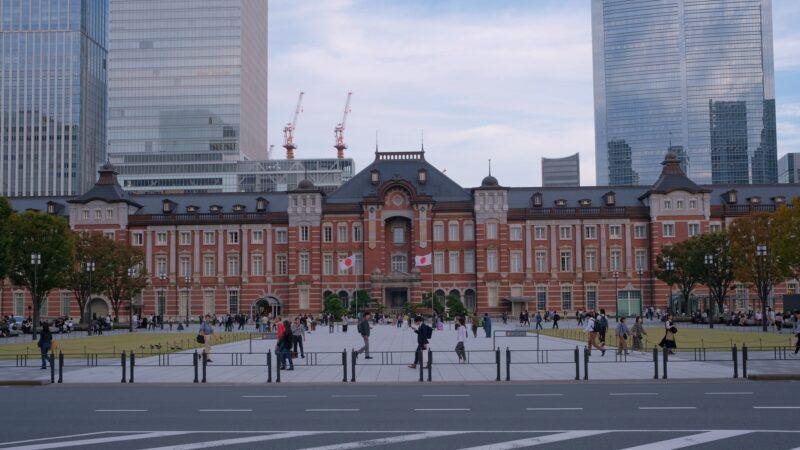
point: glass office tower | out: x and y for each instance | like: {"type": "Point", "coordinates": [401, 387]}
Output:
{"type": "Point", "coordinates": [188, 76]}
{"type": "Point", "coordinates": [53, 115]}
{"type": "Point", "coordinates": [692, 75]}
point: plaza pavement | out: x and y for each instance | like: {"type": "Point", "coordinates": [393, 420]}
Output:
{"type": "Point", "coordinates": [392, 351]}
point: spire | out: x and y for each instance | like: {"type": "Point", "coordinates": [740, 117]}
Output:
{"type": "Point", "coordinates": [422, 140]}
{"type": "Point", "coordinates": [490, 166]}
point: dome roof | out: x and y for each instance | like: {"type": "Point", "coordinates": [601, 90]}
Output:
{"type": "Point", "coordinates": [489, 181]}
{"type": "Point", "coordinates": [305, 185]}
{"type": "Point", "coordinates": [108, 167]}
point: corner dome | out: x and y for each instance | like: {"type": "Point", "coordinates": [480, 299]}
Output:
{"type": "Point", "coordinates": [489, 181]}
{"type": "Point", "coordinates": [305, 185]}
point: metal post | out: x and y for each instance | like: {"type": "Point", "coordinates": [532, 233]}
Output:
{"type": "Point", "coordinates": [744, 360]}
{"type": "Point", "coordinates": [52, 368]}
{"type": "Point", "coordinates": [133, 363]}
{"type": "Point", "coordinates": [60, 366]}
{"type": "Point", "coordinates": [353, 362]}
{"type": "Point", "coordinates": [430, 364]}
{"type": "Point", "coordinates": [497, 361]}
{"type": "Point", "coordinates": [665, 359]}
{"type": "Point", "coordinates": [269, 367]}
{"type": "Point", "coordinates": [735, 362]}
{"type": "Point", "coordinates": [421, 368]}
{"type": "Point", "coordinates": [194, 362]}
{"type": "Point", "coordinates": [655, 363]}
{"type": "Point", "coordinates": [577, 364]}
{"type": "Point", "coordinates": [278, 363]}
{"type": "Point", "coordinates": [124, 369]}
{"type": "Point", "coordinates": [251, 341]}
{"type": "Point", "coordinates": [508, 364]}
{"type": "Point", "coordinates": [205, 363]}
{"type": "Point", "coordinates": [585, 363]}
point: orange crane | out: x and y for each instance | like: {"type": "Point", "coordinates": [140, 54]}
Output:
{"type": "Point", "coordinates": [288, 130]}
{"type": "Point", "coordinates": [339, 130]}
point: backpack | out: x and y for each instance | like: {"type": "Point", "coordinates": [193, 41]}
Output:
{"type": "Point", "coordinates": [603, 322]}
{"type": "Point", "coordinates": [596, 326]}
{"type": "Point", "coordinates": [428, 332]}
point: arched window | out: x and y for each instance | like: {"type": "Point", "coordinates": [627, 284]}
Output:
{"type": "Point", "coordinates": [469, 300]}
{"type": "Point", "coordinates": [344, 297]}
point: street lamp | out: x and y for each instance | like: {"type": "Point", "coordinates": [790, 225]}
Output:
{"type": "Point", "coordinates": [188, 280]}
{"type": "Point", "coordinates": [88, 266]}
{"type": "Point", "coordinates": [163, 277]}
{"type": "Point", "coordinates": [131, 274]}
{"type": "Point", "coordinates": [709, 260]}
{"type": "Point", "coordinates": [640, 272]}
{"type": "Point", "coordinates": [616, 294]}
{"type": "Point", "coordinates": [761, 252]}
{"type": "Point", "coordinates": [36, 259]}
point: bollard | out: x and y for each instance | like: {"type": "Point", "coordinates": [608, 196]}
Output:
{"type": "Point", "coordinates": [497, 360]}
{"type": "Point", "coordinates": [278, 362]}
{"type": "Point", "coordinates": [666, 358]}
{"type": "Point", "coordinates": [577, 363]}
{"type": "Point", "coordinates": [430, 364]}
{"type": "Point", "coordinates": [269, 367]}
{"type": "Point", "coordinates": [205, 363]}
{"type": "Point", "coordinates": [735, 361]}
{"type": "Point", "coordinates": [655, 363]}
{"type": "Point", "coordinates": [585, 363]}
{"type": "Point", "coordinates": [744, 360]}
{"type": "Point", "coordinates": [60, 366]}
{"type": "Point", "coordinates": [251, 343]}
{"type": "Point", "coordinates": [124, 369]}
{"type": "Point", "coordinates": [194, 362]}
{"type": "Point", "coordinates": [133, 363]}
{"type": "Point", "coordinates": [52, 368]}
{"type": "Point", "coordinates": [421, 368]}
{"type": "Point", "coordinates": [508, 364]}
{"type": "Point", "coordinates": [353, 358]}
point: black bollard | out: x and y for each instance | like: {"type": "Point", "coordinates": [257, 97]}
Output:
{"type": "Point", "coordinates": [421, 366]}
{"type": "Point", "coordinates": [735, 361]}
{"type": "Point", "coordinates": [585, 363]}
{"type": "Point", "coordinates": [52, 368]}
{"type": "Point", "coordinates": [497, 362]}
{"type": "Point", "coordinates": [60, 366]}
{"type": "Point", "coordinates": [124, 369]}
{"type": "Point", "coordinates": [744, 360]}
{"type": "Point", "coordinates": [508, 364]}
{"type": "Point", "coordinates": [577, 363]}
{"type": "Point", "coordinates": [195, 359]}
{"type": "Point", "coordinates": [269, 367]}
{"type": "Point", "coordinates": [353, 357]}
{"type": "Point", "coordinates": [665, 359]}
{"type": "Point", "coordinates": [430, 364]}
{"type": "Point", "coordinates": [205, 364]}
{"type": "Point", "coordinates": [278, 367]}
{"type": "Point", "coordinates": [133, 363]}
{"type": "Point", "coordinates": [655, 363]}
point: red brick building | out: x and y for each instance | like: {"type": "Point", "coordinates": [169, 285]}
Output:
{"type": "Point", "coordinates": [497, 248]}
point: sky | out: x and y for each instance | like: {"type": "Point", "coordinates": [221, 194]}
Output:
{"type": "Point", "coordinates": [506, 80]}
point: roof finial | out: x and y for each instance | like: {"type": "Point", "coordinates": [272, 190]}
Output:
{"type": "Point", "coordinates": [490, 166]}
{"type": "Point", "coordinates": [670, 138]}
{"type": "Point", "coordinates": [422, 140]}
{"type": "Point", "coordinates": [376, 141]}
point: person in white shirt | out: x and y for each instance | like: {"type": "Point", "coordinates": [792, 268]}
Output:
{"type": "Point", "coordinates": [593, 329]}
{"type": "Point", "coordinates": [461, 333]}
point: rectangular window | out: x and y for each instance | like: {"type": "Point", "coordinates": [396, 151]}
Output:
{"type": "Point", "coordinates": [566, 260]}
{"type": "Point", "coordinates": [304, 233]}
{"type": "Point", "coordinates": [591, 260]}
{"type": "Point", "coordinates": [327, 263]}
{"type": "Point", "coordinates": [565, 233]}
{"type": "Point", "coordinates": [540, 233]}
{"type": "Point", "coordinates": [303, 296]}
{"type": "Point", "coordinates": [541, 261]}
{"type": "Point", "coordinates": [667, 204]}
{"type": "Point", "coordinates": [491, 260]}
{"type": "Point", "coordinates": [109, 235]}
{"type": "Point", "coordinates": [566, 298]}
{"type": "Point", "coordinates": [208, 302]}
{"type": "Point", "coordinates": [281, 236]}
{"type": "Point", "coordinates": [640, 231]}
{"type": "Point", "coordinates": [491, 230]}
{"type": "Point", "coordinates": [233, 237]}
{"type": "Point", "coordinates": [590, 232]}
{"type": "Point", "coordinates": [161, 265]}
{"type": "Point", "coordinates": [669, 229]}
{"type": "Point", "coordinates": [715, 228]}
{"type": "Point", "coordinates": [679, 204]}
{"type": "Point", "coordinates": [541, 298]}
{"type": "Point", "coordinates": [138, 239]}
{"type": "Point", "coordinates": [452, 263]}
{"type": "Point", "coordinates": [516, 261]}
{"type": "Point", "coordinates": [109, 214]}
{"type": "Point", "coordinates": [233, 265]}
{"type": "Point", "coordinates": [492, 295]}
{"type": "Point", "coordinates": [452, 231]}
{"type": "Point", "coordinates": [208, 265]}
{"type": "Point", "coordinates": [438, 262]}
{"type": "Point", "coordinates": [208, 238]}
{"type": "Point", "coordinates": [615, 231]}
{"type": "Point", "coordinates": [185, 266]}
{"type": "Point", "coordinates": [281, 266]}
{"type": "Point", "coordinates": [469, 261]}
{"type": "Point", "coordinates": [692, 203]}
{"type": "Point", "coordinates": [398, 235]}
{"type": "Point", "coordinates": [258, 236]}
{"type": "Point", "coordinates": [469, 231]}
{"type": "Point", "coordinates": [591, 297]}
{"type": "Point", "coordinates": [65, 302]}
{"type": "Point", "coordinates": [19, 303]}
{"type": "Point", "coordinates": [438, 232]}
{"type": "Point", "coordinates": [357, 234]}
{"type": "Point", "coordinates": [44, 310]}
{"type": "Point", "coordinates": [616, 260]}
{"type": "Point", "coordinates": [327, 233]}
{"type": "Point", "coordinates": [186, 238]}
{"type": "Point", "coordinates": [161, 238]}
{"type": "Point", "coordinates": [304, 264]}
{"type": "Point", "coordinates": [399, 264]}
{"type": "Point", "coordinates": [85, 215]}
{"type": "Point", "coordinates": [694, 229]}
{"type": "Point", "coordinates": [183, 302]}
{"type": "Point", "coordinates": [641, 259]}
{"type": "Point", "coordinates": [515, 233]}
{"type": "Point", "coordinates": [257, 265]}
{"type": "Point", "coordinates": [342, 227]}
{"type": "Point", "coordinates": [161, 302]}
{"type": "Point", "coordinates": [358, 266]}
{"type": "Point", "coordinates": [791, 288]}
{"type": "Point", "coordinates": [98, 214]}
{"type": "Point", "coordinates": [233, 301]}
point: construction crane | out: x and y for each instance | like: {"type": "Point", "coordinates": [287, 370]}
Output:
{"type": "Point", "coordinates": [339, 130]}
{"type": "Point", "coordinates": [288, 130]}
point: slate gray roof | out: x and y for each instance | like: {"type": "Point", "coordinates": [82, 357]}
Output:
{"type": "Point", "coordinates": [520, 197]}
{"type": "Point", "coordinates": [152, 203]}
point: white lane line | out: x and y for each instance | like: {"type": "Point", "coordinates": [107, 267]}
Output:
{"type": "Point", "coordinates": [539, 440]}
{"type": "Point", "coordinates": [538, 395]}
{"type": "Point", "coordinates": [353, 396]}
{"type": "Point", "coordinates": [120, 410]}
{"type": "Point", "coordinates": [666, 407]}
{"type": "Point", "coordinates": [728, 393]}
{"type": "Point", "coordinates": [57, 437]}
{"type": "Point", "coordinates": [687, 441]}
{"type": "Point", "coordinates": [554, 409]}
{"type": "Point", "coordinates": [445, 395]}
{"type": "Point", "coordinates": [83, 442]}
{"type": "Point", "coordinates": [776, 407]}
{"type": "Point", "coordinates": [388, 441]}
{"type": "Point", "coordinates": [264, 396]}
{"type": "Point", "coordinates": [632, 393]}
{"type": "Point", "coordinates": [225, 410]}
{"type": "Point", "coordinates": [234, 441]}
{"type": "Point", "coordinates": [442, 409]}
{"type": "Point", "coordinates": [333, 410]}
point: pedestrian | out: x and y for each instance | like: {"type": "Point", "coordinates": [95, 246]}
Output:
{"type": "Point", "coordinates": [579, 316]}
{"type": "Point", "coordinates": [622, 337]}
{"type": "Point", "coordinates": [796, 331]}
{"type": "Point", "coordinates": [505, 318]}
{"type": "Point", "coordinates": [556, 318]}
{"type": "Point", "coordinates": [637, 331]}
{"type": "Point", "coordinates": [285, 345]}
{"type": "Point", "coordinates": [592, 329]}
{"type": "Point", "coordinates": [45, 343]}
{"type": "Point", "coordinates": [475, 325]}
{"type": "Point", "coordinates": [424, 333]}
{"type": "Point", "coordinates": [363, 330]}
{"type": "Point", "coordinates": [461, 336]}
{"type": "Point", "coordinates": [298, 336]}
{"type": "Point", "coordinates": [539, 321]}
{"type": "Point", "coordinates": [487, 324]}
{"type": "Point", "coordinates": [668, 341]}
{"type": "Point", "coordinates": [603, 322]}
{"type": "Point", "coordinates": [329, 320]}
{"type": "Point", "coordinates": [521, 318]}
{"type": "Point", "coordinates": [207, 333]}
{"type": "Point", "coordinates": [778, 322]}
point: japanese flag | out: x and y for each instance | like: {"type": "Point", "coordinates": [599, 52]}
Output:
{"type": "Point", "coordinates": [347, 263]}
{"type": "Point", "coordinates": [422, 260]}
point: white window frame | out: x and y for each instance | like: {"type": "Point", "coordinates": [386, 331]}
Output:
{"type": "Point", "coordinates": [640, 259]}
{"type": "Point", "coordinates": [565, 260]}
{"type": "Point", "coordinates": [469, 261]}
{"type": "Point", "coordinates": [208, 265]}
{"type": "Point", "coordinates": [137, 239]}
{"type": "Point", "coordinates": [327, 233]}
{"type": "Point", "coordinates": [281, 264]}
{"type": "Point", "coordinates": [438, 231]}
{"type": "Point", "coordinates": [281, 236]}
{"type": "Point", "coordinates": [668, 229]}
{"type": "Point", "coordinates": [341, 231]}
{"type": "Point", "coordinates": [692, 203]}
{"type": "Point", "coordinates": [452, 262]}
{"type": "Point", "coordinates": [233, 237]}
{"type": "Point", "coordinates": [667, 204]}
{"type": "Point", "coordinates": [234, 266]}
{"type": "Point", "coordinates": [540, 233]}
{"type": "Point", "coordinates": [209, 238]}
{"type": "Point", "coordinates": [185, 265]}
{"type": "Point", "coordinates": [615, 260]}
{"type": "Point", "coordinates": [491, 260]}
{"type": "Point", "coordinates": [591, 260]}
{"type": "Point", "coordinates": [161, 238]}
{"type": "Point", "coordinates": [639, 231]}
{"type": "Point", "coordinates": [694, 228]}
{"type": "Point", "coordinates": [615, 231]}
{"type": "Point", "coordinates": [304, 232]}
{"type": "Point", "coordinates": [438, 262]}
{"type": "Point", "coordinates": [565, 232]}
{"type": "Point", "coordinates": [469, 231]}
{"type": "Point", "coordinates": [491, 230]}
{"type": "Point", "coordinates": [590, 232]}
{"type": "Point", "coordinates": [257, 264]}
{"type": "Point", "coordinates": [358, 234]}
{"type": "Point", "coordinates": [452, 231]}
{"type": "Point", "coordinates": [257, 236]}
{"type": "Point", "coordinates": [515, 233]}
{"type": "Point", "coordinates": [185, 238]}
{"type": "Point", "coordinates": [516, 261]}
{"type": "Point", "coordinates": [541, 261]}
{"type": "Point", "coordinates": [304, 263]}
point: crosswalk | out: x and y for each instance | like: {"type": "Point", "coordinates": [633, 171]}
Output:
{"type": "Point", "coordinates": [456, 439]}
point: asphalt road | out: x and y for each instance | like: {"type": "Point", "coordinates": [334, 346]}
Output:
{"type": "Point", "coordinates": [598, 415]}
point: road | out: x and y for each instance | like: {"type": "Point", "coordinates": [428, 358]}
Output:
{"type": "Point", "coordinates": [601, 415]}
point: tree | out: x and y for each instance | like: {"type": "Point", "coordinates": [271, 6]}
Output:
{"type": "Point", "coordinates": [5, 217]}
{"type": "Point", "coordinates": [332, 305]}
{"type": "Point", "coordinates": [361, 301]}
{"type": "Point", "coordinates": [686, 265]}
{"type": "Point", "coordinates": [49, 237]}
{"type": "Point", "coordinates": [717, 273]}
{"type": "Point", "coordinates": [88, 247]}
{"type": "Point", "coordinates": [756, 255]}
{"type": "Point", "coordinates": [124, 275]}
{"type": "Point", "coordinates": [455, 307]}
{"type": "Point", "coordinates": [786, 221]}
{"type": "Point", "coordinates": [438, 306]}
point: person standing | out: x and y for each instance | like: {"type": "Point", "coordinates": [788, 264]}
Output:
{"type": "Point", "coordinates": [207, 331]}
{"type": "Point", "coordinates": [424, 333]}
{"type": "Point", "coordinates": [475, 325]}
{"type": "Point", "coordinates": [668, 341]}
{"type": "Point", "coordinates": [363, 330]}
{"type": "Point", "coordinates": [602, 320]}
{"type": "Point", "coordinates": [461, 336]}
{"type": "Point", "coordinates": [298, 335]}
{"type": "Point", "coordinates": [285, 339]}
{"type": "Point", "coordinates": [539, 321]}
{"type": "Point", "coordinates": [637, 331]}
{"type": "Point", "coordinates": [556, 318]}
{"type": "Point", "coordinates": [45, 343]}
{"type": "Point", "coordinates": [487, 324]}
{"type": "Point", "coordinates": [592, 329]}
{"type": "Point", "coordinates": [622, 337]}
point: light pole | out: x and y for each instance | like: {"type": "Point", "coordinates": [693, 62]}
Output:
{"type": "Point", "coordinates": [163, 277]}
{"type": "Point", "coordinates": [89, 268]}
{"type": "Point", "coordinates": [669, 266]}
{"type": "Point", "coordinates": [761, 252]}
{"type": "Point", "coordinates": [709, 260]}
{"type": "Point", "coordinates": [36, 259]}
{"type": "Point", "coordinates": [640, 272]}
{"type": "Point", "coordinates": [616, 294]}
{"type": "Point", "coordinates": [131, 274]}
{"type": "Point", "coordinates": [188, 280]}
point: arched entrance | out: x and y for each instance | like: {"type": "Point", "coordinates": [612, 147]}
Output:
{"type": "Point", "coordinates": [469, 300]}
{"type": "Point", "coordinates": [97, 307]}
{"type": "Point", "coordinates": [267, 305]}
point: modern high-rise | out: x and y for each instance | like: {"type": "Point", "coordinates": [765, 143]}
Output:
{"type": "Point", "coordinates": [188, 76]}
{"type": "Point", "coordinates": [561, 172]}
{"type": "Point", "coordinates": [789, 168]}
{"type": "Point", "coordinates": [695, 75]}
{"type": "Point", "coordinates": [53, 98]}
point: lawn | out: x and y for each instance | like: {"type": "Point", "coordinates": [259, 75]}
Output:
{"type": "Point", "coordinates": [143, 344]}
{"type": "Point", "coordinates": [691, 338]}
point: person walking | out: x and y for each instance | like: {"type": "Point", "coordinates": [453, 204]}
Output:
{"type": "Point", "coordinates": [298, 336]}
{"type": "Point", "coordinates": [602, 320]}
{"type": "Point", "coordinates": [475, 325]}
{"type": "Point", "coordinates": [796, 331]}
{"type": "Point", "coordinates": [363, 330]}
{"type": "Point", "coordinates": [556, 318]}
{"type": "Point", "coordinates": [592, 329]}
{"type": "Point", "coordinates": [424, 333]}
{"type": "Point", "coordinates": [207, 331]}
{"type": "Point", "coordinates": [539, 321]}
{"type": "Point", "coordinates": [622, 337]}
{"type": "Point", "coordinates": [487, 324]}
{"type": "Point", "coordinates": [285, 339]}
{"type": "Point", "coordinates": [637, 331]}
{"type": "Point", "coordinates": [45, 343]}
{"type": "Point", "coordinates": [461, 336]}
{"type": "Point", "coordinates": [668, 341]}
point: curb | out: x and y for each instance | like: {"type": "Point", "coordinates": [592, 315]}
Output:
{"type": "Point", "coordinates": [23, 382]}
{"type": "Point", "coordinates": [775, 377]}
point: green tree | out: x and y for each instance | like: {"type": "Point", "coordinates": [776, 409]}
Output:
{"type": "Point", "coordinates": [717, 273]}
{"type": "Point", "coordinates": [361, 302]}
{"type": "Point", "coordinates": [6, 214]}
{"type": "Point", "coordinates": [681, 265]}
{"type": "Point", "coordinates": [786, 221]}
{"type": "Point", "coordinates": [438, 306]}
{"type": "Point", "coordinates": [332, 305]}
{"type": "Point", "coordinates": [48, 236]}
{"type": "Point", "coordinates": [94, 248]}
{"type": "Point", "coordinates": [124, 275]}
{"type": "Point", "coordinates": [455, 307]}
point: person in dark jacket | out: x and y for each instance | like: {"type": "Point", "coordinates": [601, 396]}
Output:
{"type": "Point", "coordinates": [423, 331]}
{"type": "Point", "coordinates": [363, 330]}
{"type": "Point", "coordinates": [45, 343]}
{"type": "Point", "coordinates": [285, 346]}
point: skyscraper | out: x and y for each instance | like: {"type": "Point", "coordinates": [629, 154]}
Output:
{"type": "Point", "coordinates": [53, 76]}
{"type": "Point", "coordinates": [696, 74]}
{"type": "Point", "coordinates": [561, 172]}
{"type": "Point", "coordinates": [188, 76]}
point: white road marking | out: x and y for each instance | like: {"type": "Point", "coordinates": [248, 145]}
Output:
{"type": "Point", "coordinates": [632, 393]}
{"type": "Point", "coordinates": [442, 409]}
{"type": "Point", "coordinates": [333, 410]}
{"type": "Point", "coordinates": [56, 437]}
{"type": "Point", "coordinates": [445, 395]}
{"type": "Point", "coordinates": [776, 407]}
{"type": "Point", "coordinates": [694, 439]}
{"type": "Point", "coordinates": [353, 396]}
{"type": "Point", "coordinates": [120, 410]}
{"type": "Point", "coordinates": [530, 442]}
{"type": "Point", "coordinates": [234, 441]}
{"type": "Point", "coordinates": [387, 441]}
{"type": "Point", "coordinates": [225, 410]}
{"type": "Point", "coordinates": [666, 407]}
{"type": "Point", "coordinates": [538, 395]}
{"type": "Point", "coordinates": [264, 396]}
{"type": "Point", "coordinates": [554, 409]}
{"type": "Point", "coordinates": [728, 393]}
{"type": "Point", "coordinates": [95, 441]}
